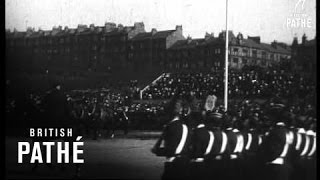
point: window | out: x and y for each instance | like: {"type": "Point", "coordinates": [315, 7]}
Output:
{"type": "Point", "coordinates": [235, 51]}
{"type": "Point", "coordinates": [244, 61]}
{"type": "Point", "coordinates": [271, 56]}
{"type": "Point", "coordinates": [254, 53]}
{"type": "Point", "coordinates": [245, 52]}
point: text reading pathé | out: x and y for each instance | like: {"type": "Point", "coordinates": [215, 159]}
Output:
{"type": "Point", "coordinates": [58, 138]}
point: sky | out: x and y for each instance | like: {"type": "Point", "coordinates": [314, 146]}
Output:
{"type": "Point", "coordinates": [269, 19]}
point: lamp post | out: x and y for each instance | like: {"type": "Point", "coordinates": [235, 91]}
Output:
{"type": "Point", "coordinates": [226, 63]}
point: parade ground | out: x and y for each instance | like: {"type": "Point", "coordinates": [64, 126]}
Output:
{"type": "Point", "coordinates": [118, 158]}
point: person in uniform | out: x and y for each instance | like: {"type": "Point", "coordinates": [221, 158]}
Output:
{"type": "Point", "coordinates": [311, 161]}
{"type": "Point", "coordinates": [252, 141]}
{"type": "Point", "coordinates": [234, 150]}
{"type": "Point", "coordinates": [124, 119]}
{"type": "Point", "coordinates": [216, 154]}
{"type": "Point", "coordinates": [274, 149]}
{"type": "Point", "coordinates": [174, 144]}
{"type": "Point", "coordinates": [96, 120]}
{"type": "Point", "coordinates": [202, 142]}
{"type": "Point", "coordinates": [57, 115]}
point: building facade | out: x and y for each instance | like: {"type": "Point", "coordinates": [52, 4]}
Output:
{"type": "Point", "coordinates": [209, 52]}
{"type": "Point", "coordinates": [92, 48]}
{"type": "Point", "coordinates": [148, 51]}
{"type": "Point", "coordinates": [111, 47]}
{"type": "Point", "coordinates": [304, 55]}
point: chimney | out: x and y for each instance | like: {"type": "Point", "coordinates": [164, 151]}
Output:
{"type": "Point", "coordinates": [239, 38]}
{"type": "Point", "coordinates": [81, 27]}
{"type": "Point", "coordinates": [153, 31]}
{"type": "Point", "coordinates": [274, 44]}
{"type": "Point", "coordinates": [109, 26]}
{"type": "Point", "coordinates": [222, 35]}
{"type": "Point", "coordinates": [179, 29]}
{"type": "Point", "coordinates": [189, 39]}
{"type": "Point", "coordinates": [30, 30]}
{"type": "Point", "coordinates": [139, 26]}
{"type": "Point", "coordinates": [255, 39]}
{"type": "Point", "coordinates": [304, 38]}
{"type": "Point", "coordinates": [100, 29]}
{"type": "Point", "coordinates": [66, 28]}
{"type": "Point", "coordinates": [120, 27]}
{"type": "Point", "coordinates": [207, 36]}
{"type": "Point", "coordinates": [91, 27]}
{"type": "Point", "coordinates": [295, 41]}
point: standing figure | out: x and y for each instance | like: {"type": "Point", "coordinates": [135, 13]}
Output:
{"type": "Point", "coordinates": [174, 144]}
{"type": "Point", "coordinates": [57, 115]}
{"type": "Point", "coordinates": [124, 120]}
{"type": "Point", "coordinates": [216, 157]}
{"type": "Point", "coordinates": [202, 142]}
{"type": "Point", "coordinates": [274, 151]}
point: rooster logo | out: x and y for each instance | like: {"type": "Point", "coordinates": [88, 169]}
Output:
{"type": "Point", "coordinates": [297, 5]}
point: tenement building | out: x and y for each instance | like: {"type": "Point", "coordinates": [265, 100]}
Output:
{"type": "Point", "coordinates": [304, 54]}
{"type": "Point", "coordinates": [111, 47]}
{"type": "Point", "coordinates": [209, 52]}
{"type": "Point", "coordinates": [148, 50]}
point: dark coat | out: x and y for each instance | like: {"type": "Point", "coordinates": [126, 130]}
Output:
{"type": "Point", "coordinates": [56, 110]}
{"type": "Point", "coordinates": [171, 137]}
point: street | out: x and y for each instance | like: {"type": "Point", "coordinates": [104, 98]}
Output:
{"type": "Point", "coordinates": [118, 158]}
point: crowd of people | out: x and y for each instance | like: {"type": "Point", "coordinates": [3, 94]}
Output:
{"type": "Point", "coordinates": [250, 141]}
{"type": "Point", "coordinates": [249, 82]}
{"type": "Point", "coordinates": [270, 139]}
{"type": "Point", "coordinates": [99, 112]}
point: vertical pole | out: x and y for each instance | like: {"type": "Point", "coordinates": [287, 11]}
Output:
{"type": "Point", "coordinates": [226, 63]}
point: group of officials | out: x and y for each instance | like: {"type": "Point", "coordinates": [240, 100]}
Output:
{"type": "Point", "coordinates": [207, 145]}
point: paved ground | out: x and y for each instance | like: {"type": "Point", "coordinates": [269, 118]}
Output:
{"type": "Point", "coordinates": [118, 158]}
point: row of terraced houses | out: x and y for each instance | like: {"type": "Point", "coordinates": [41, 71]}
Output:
{"type": "Point", "coordinates": [111, 47]}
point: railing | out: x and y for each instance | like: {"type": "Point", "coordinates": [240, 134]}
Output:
{"type": "Point", "coordinates": [153, 82]}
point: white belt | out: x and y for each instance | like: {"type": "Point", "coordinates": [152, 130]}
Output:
{"type": "Point", "coordinates": [298, 141]}
{"type": "Point", "coordinates": [211, 140]}
{"type": "Point", "coordinates": [249, 141]}
{"type": "Point", "coordinates": [183, 139]}
{"type": "Point", "coordinates": [233, 156]}
{"type": "Point", "coordinates": [197, 160]}
{"type": "Point", "coordinates": [279, 160]}
{"type": "Point", "coordinates": [306, 146]}
{"type": "Point", "coordinates": [313, 149]}
{"type": "Point", "coordinates": [219, 157]}
{"type": "Point", "coordinates": [170, 159]}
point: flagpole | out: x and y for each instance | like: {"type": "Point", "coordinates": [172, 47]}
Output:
{"type": "Point", "coordinates": [226, 63]}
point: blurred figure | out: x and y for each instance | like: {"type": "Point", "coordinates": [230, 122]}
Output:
{"type": "Point", "coordinates": [124, 120]}
{"type": "Point", "coordinates": [174, 144]}
{"type": "Point", "coordinates": [274, 149]}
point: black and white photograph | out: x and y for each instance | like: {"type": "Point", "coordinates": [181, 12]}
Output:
{"type": "Point", "coordinates": [160, 89]}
